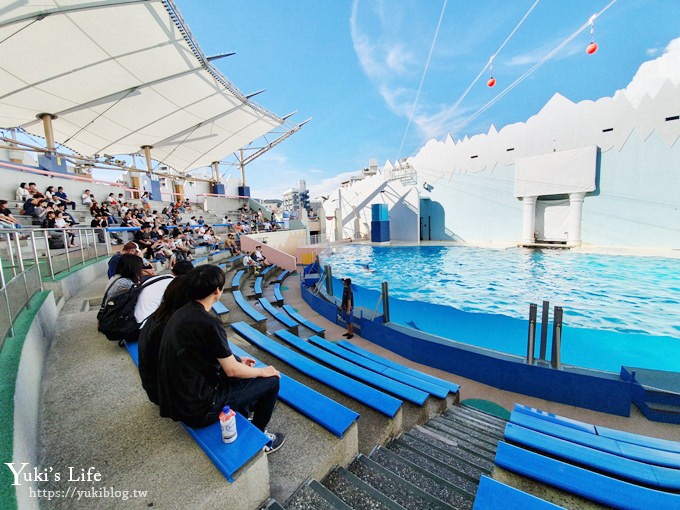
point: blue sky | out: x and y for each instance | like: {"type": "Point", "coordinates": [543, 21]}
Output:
{"type": "Point", "coordinates": [355, 68]}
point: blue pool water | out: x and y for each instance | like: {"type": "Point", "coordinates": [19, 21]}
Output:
{"type": "Point", "coordinates": [617, 310]}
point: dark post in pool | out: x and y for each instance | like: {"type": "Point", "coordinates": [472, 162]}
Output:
{"type": "Point", "coordinates": [531, 341]}
{"type": "Point", "coordinates": [544, 329]}
{"type": "Point", "coordinates": [386, 302]}
{"type": "Point", "coordinates": [557, 338]}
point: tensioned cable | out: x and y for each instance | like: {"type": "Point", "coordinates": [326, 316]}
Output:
{"type": "Point", "coordinates": [532, 69]}
{"type": "Point", "coordinates": [422, 80]}
{"type": "Point", "coordinates": [474, 82]}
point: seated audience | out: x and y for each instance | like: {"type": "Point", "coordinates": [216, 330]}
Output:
{"type": "Point", "coordinates": [63, 198]}
{"type": "Point", "coordinates": [7, 220]}
{"type": "Point", "coordinates": [198, 374]}
{"type": "Point", "coordinates": [22, 193]}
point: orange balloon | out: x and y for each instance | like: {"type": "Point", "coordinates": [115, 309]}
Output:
{"type": "Point", "coordinates": [591, 48]}
{"type": "Point", "coordinates": [491, 82]}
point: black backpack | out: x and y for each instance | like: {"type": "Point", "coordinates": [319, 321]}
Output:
{"type": "Point", "coordinates": [116, 317]}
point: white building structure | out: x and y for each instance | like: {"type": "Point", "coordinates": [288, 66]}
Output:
{"type": "Point", "coordinates": [603, 172]}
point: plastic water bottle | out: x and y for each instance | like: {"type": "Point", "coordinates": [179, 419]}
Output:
{"type": "Point", "coordinates": [228, 425]}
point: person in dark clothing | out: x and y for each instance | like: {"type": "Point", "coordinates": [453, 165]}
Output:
{"type": "Point", "coordinates": [152, 333]}
{"type": "Point", "coordinates": [197, 372]}
{"type": "Point", "coordinates": [144, 240]}
{"type": "Point", "coordinates": [101, 223]}
{"type": "Point", "coordinates": [347, 306]}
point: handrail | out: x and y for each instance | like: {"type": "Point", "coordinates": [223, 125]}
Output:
{"type": "Point", "coordinates": [39, 240]}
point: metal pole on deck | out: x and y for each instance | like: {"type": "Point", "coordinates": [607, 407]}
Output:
{"type": "Point", "coordinates": [544, 329]}
{"type": "Point", "coordinates": [555, 361]}
{"type": "Point", "coordinates": [329, 280]}
{"type": "Point", "coordinates": [386, 302]}
{"type": "Point", "coordinates": [37, 262]}
{"type": "Point", "coordinates": [531, 341]}
{"type": "Point", "coordinates": [4, 287]}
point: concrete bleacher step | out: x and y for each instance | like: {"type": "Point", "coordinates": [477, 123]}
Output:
{"type": "Point", "coordinates": [431, 483]}
{"type": "Point", "coordinates": [442, 469]}
{"type": "Point", "coordinates": [473, 421]}
{"type": "Point", "coordinates": [399, 490]}
{"type": "Point", "coordinates": [462, 446]}
{"type": "Point", "coordinates": [314, 496]}
{"type": "Point", "coordinates": [471, 427]}
{"type": "Point", "coordinates": [356, 493]}
{"type": "Point", "coordinates": [471, 440]}
{"type": "Point", "coordinates": [462, 460]}
{"type": "Point", "coordinates": [479, 415]}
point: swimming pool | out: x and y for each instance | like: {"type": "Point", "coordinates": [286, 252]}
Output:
{"type": "Point", "coordinates": [618, 310]}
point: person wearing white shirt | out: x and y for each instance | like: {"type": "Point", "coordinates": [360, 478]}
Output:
{"type": "Point", "coordinates": [87, 197]}
{"type": "Point", "coordinates": [22, 193]}
{"type": "Point", "coordinates": [151, 296]}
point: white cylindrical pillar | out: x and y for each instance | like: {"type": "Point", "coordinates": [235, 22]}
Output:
{"type": "Point", "coordinates": [529, 222]}
{"type": "Point", "coordinates": [575, 216]}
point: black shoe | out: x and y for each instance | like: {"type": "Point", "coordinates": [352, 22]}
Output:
{"type": "Point", "coordinates": [350, 336]}
{"type": "Point", "coordinates": [277, 440]}
{"type": "Point", "coordinates": [345, 334]}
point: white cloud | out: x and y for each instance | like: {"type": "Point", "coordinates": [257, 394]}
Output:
{"type": "Point", "coordinates": [653, 52]}
{"type": "Point", "coordinates": [329, 185]}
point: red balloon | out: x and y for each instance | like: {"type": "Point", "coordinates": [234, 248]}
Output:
{"type": "Point", "coordinates": [491, 82]}
{"type": "Point", "coordinates": [591, 48]}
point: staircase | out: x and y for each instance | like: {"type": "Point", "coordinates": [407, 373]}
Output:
{"type": "Point", "coordinates": [656, 393]}
{"type": "Point", "coordinates": [433, 466]}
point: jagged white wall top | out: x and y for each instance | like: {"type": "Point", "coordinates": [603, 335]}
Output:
{"type": "Point", "coordinates": [643, 106]}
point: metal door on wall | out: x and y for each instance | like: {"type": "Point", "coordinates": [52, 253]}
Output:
{"type": "Point", "coordinates": [552, 220]}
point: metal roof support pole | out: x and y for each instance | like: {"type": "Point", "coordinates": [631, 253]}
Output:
{"type": "Point", "coordinates": [147, 157]}
{"type": "Point", "coordinates": [243, 168]}
{"type": "Point", "coordinates": [216, 171]}
{"type": "Point", "coordinates": [47, 119]}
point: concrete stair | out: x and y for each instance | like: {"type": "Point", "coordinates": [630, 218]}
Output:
{"type": "Point", "coordinates": [432, 466]}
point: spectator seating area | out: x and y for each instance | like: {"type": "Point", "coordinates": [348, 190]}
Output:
{"type": "Point", "coordinates": [606, 466]}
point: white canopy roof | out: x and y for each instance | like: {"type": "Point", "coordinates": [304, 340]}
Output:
{"type": "Point", "coordinates": [118, 75]}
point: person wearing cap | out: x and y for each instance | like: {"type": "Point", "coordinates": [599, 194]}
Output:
{"type": "Point", "coordinates": [347, 306]}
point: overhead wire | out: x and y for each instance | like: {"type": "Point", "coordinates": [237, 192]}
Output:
{"type": "Point", "coordinates": [422, 80]}
{"type": "Point", "coordinates": [533, 68]}
{"type": "Point", "coordinates": [474, 82]}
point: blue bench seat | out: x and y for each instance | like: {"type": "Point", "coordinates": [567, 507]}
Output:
{"type": "Point", "coordinates": [396, 388]}
{"type": "Point", "coordinates": [325, 411]}
{"type": "Point", "coordinates": [605, 444]}
{"type": "Point", "coordinates": [278, 315]}
{"type": "Point", "coordinates": [582, 482]}
{"type": "Point", "coordinates": [621, 467]}
{"type": "Point", "coordinates": [376, 399]}
{"type": "Point", "coordinates": [267, 270]}
{"type": "Point", "coordinates": [452, 387]}
{"type": "Point", "coordinates": [618, 435]}
{"type": "Point", "coordinates": [278, 297]}
{"type": "Point", "coordinates": [306, 323]}
{"type": "Point", "coordinates": [247, 308]}
{"type": "Point", "coordinates": [629, 437]}
{"type": "Point", "coordinates": [282, 276]}
{"type": "Point", "coordinates": [257, 288]}
{"type": "Point", "coordinates": [219, 308]}
{"type": "Point", "coordinates": [421, 384]}
{"type": "Point", "coordinates": [228, 458]}
{"type": "Point", "coordinates": [492, 495]}
{"type": "Point", "coordinates": [236, 280]}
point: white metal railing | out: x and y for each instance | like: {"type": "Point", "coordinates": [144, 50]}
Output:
{"type": "Point", "coordinates": [49, 249]}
